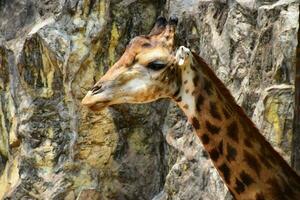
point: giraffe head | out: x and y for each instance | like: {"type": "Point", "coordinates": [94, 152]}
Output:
{"type": "Point", "coordinates": [146, 71]}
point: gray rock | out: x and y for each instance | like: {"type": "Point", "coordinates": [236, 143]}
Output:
{"type": "Point", "coordinates": [52, 52]}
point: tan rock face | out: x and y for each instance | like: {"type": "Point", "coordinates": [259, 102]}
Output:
{"type": "Point", "coordinates": [52, 52]}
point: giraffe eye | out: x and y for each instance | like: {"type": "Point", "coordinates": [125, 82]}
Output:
{"type": "Point", "coordinates": [156, 65]}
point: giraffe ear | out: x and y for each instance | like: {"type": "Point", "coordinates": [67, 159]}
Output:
{"type": "Point", "coordinates": [183, 55]}
{"type": "Point", "coordinates": [159, 26]}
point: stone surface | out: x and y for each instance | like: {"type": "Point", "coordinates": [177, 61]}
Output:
{"type": "Point", "coordinates": [52, 52]}
{"type": "Point", "coordinates": [296, 125]}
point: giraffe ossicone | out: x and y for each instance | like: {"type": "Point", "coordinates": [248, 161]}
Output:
{"type": "Point", "coordinates": [149, 69]}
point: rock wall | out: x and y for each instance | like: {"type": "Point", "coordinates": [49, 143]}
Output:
{"type": "Point", "coordinates": [52, 52]}
{"type": "Point", "coordinates": [296, 125]}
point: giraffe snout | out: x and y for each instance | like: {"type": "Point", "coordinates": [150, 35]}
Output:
{"type": "Point", "coordinates": [92, 97]}
{"type": "Point", "coordinates": [88, 99]}
{"type": "Point", "coordinates": [98, 97]}
{"type": "Point", "coordinates": [94, 101]}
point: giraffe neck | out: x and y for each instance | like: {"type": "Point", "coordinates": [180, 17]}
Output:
{"type": "Point", "coordinates": [247, 163]}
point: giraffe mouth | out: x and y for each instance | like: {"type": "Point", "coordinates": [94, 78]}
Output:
{"type": "Point", "coordinates": [99, 106]}
{"type": "Point", "coordinates": [95, 103]}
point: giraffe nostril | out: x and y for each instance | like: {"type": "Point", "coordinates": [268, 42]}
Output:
{"type": "Point", "coordinates": [97, 89]}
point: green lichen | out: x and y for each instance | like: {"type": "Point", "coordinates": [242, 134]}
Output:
{"type": "Point", "coordinates": [273, 118]}
{"type": "Point", "coordinates": [114, 39]}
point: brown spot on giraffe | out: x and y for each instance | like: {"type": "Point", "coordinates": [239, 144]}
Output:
{"type": "Point", "coordinates": [214, 154]}
{"type": "Point", "coordinates": [232, 131]}
{"type": "Point", "coordinates": [186, 106]}
{"type": "Point", "coordinates": [212, 128]}
{"type": "Point", "coordinates": [214, 111]}
{"type": "Point", "coordinates": [195, 123]}
{"type": "Point", "coordinates": [231, 153]}
{"type": "Point", "coordinates": [205, 139]}
{"type": "Point", "coordinates": [199, 102]}
{"type": "Point", "coordinates": [224, 169]}
{"type": "Point", "coordinates": [246, 178]}
{"type": "Point", "coordinates": [239, 186]}
{"type": "Point", "coordinates": [195, 80]}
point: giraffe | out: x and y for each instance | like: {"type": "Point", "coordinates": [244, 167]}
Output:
{"type": "Point", "coordinates": [150, 69]}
